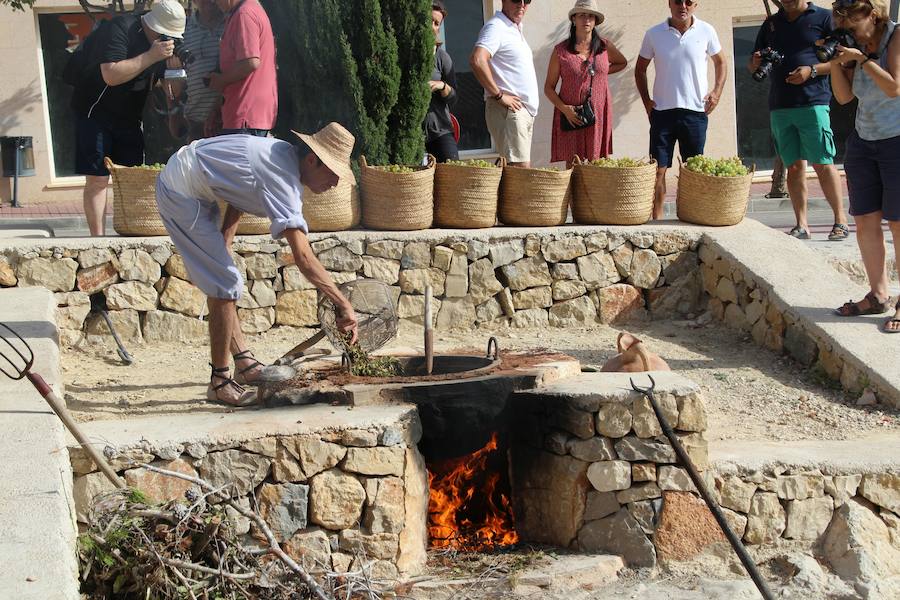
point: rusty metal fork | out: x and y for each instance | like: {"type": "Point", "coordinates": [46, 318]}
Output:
{"type": "Point", "coordinates": [688, 464]}
{"type": "Point", "coordinates": [19, 359]}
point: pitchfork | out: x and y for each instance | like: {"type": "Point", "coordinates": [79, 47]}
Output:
{"type": "Point", "coordinates": [685, 460]}
{"type": "Point", "coordinates": [21, 364]}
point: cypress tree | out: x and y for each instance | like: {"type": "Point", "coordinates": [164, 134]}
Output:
{"type": "Point", "coordinates": [374, 49]}
{"type": "Point", "coordinates": [411, 23]}
{"type": "Point", "coordinates": [318, 80]}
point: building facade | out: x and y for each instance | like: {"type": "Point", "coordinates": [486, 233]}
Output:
{"type": "Point", "coordinates": [34, 101]}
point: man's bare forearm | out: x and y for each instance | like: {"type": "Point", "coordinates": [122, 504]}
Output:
{"type": "Point", "coordinates": [123, 71]}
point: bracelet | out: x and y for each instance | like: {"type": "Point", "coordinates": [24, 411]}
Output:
{"type": "Point", "coordinates": [444, 88]}
{"type": "Point", "coordinates": [499, 96]}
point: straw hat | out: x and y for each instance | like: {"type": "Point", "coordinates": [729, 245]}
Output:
{"type": "Point", "coordinates": [333, 145]}
{"type": "Point", "coordinates": [166, 18]}
{"type": "Point", "coordinates": [591, 7]}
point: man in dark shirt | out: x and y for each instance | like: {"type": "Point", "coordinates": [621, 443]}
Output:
{"type": "Point", "coordinates": [123, 59]}
{"type": "Point", "coordinates": [799, 99]}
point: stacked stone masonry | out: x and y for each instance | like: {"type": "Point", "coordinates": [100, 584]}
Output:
{"type": "Point", "coordinates": [336, 500]}
{"type": "Point", "coordinates": [560, 279]}
{"type": "Point", "coordinates": [592, 471]}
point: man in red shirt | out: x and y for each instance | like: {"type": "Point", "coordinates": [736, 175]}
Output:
{"type": "Point", "coordinates": [247, 79]}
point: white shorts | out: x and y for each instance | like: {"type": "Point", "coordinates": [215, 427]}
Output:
{"type": "Point", "coordinates": [511, 131]}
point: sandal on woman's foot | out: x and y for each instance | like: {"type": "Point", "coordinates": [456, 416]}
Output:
{"type": "Point", "coordinates": [839, 233]}
{"type": "Point", "coordinates": [855, 309]}
{"type": "Point", "coordinates": [247, 375]}
{"type": "Point", "coordinates": [799, 233]}
{"type": "Point", "coordinates": [894, 321]}
{"type": "Point", "coordinates": [229, 392]}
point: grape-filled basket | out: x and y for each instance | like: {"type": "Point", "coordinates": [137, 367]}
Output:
{"type": "Point", "coordinates": [611, 191]}
{"type": "Point", "coordinates": [466, 193]}
{"type": "Point", "coordinates": [713, 192]}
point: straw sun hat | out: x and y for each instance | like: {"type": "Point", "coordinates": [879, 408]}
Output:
{"type": "Point", "coordinates": [591, 7]}
{"type": "Point", "coordinates": [166, 18]}
{"type": "Point", "coordinates": [333, 145]}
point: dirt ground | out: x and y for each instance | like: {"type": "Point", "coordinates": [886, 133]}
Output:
{"type": "Point", "coordinates": [751, 394]}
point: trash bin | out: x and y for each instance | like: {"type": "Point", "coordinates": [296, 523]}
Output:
{"type": "Point", "coordinates": [13, 148]}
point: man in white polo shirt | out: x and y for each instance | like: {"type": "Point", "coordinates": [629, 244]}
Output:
{"type": "Point", "coordinates": [504, 65]}
{"type": "Point", "coordinates": [681, 103]}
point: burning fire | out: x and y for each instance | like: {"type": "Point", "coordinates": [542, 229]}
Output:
{"type": "Point", "coordinates": [467, 507]}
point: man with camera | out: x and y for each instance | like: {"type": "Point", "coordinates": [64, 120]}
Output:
{"type": "Point", "coordinates": [247, 79]}
{"type": "Point", "coordinates": [117, 66]}
{"type": "Point", "coordinates": [799, 97]}
{"type": "Point", "coordinates": [680, 48]}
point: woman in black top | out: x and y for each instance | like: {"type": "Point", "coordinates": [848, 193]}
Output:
{"type": "Point", "coordinates": [439, 140]}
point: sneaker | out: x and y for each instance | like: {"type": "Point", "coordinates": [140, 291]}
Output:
{"type": "Point", "coordinates": [839, 233]}
{"type": "Point", "coordinates": [799, 233]}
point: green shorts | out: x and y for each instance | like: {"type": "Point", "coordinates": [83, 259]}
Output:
{"type": "Point", "coordinates": [804, 134]}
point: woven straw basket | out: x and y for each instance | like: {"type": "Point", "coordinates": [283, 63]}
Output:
{"type": "Point", "coordinates": [334, 210]}
{"type": "Point", "coordinates": [249, 224]}
{"type": "Point", "coordinates": [534, 197]}
{"type": "Point", "coordinates": [612, 195]}
{"type": "Point", "coordinates": [134, 200]}
{"type": "Point", "coordinates": [710, 200]}
{"type": "Point", "coordinates": [397, 201]}
{"type": "Point", "coordinates": [466, 197]}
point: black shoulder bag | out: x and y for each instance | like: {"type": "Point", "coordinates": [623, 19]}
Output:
{"type": "Point", "coordinates": [586, 110]}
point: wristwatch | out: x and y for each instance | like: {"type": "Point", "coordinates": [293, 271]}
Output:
{"type": "Point", "coordinates": [444, 87]}
{"type": "Point", "coordinates": [498, 96]}
{"type": "Point", "coordinates": [814, 72]}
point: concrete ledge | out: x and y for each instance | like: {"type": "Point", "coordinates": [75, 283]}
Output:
{"type": "Point", "coordinates": [804, 285]}
{"type": "Point", "coordinates": [37, 549]}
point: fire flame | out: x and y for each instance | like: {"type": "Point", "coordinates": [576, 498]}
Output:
{"type": "Point", "coordinates": [467, 508]}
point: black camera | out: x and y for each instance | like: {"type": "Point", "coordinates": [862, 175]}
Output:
{"type": "Point", "coordinates": [838, 37]}
{"type": "Point", "coordinates": [769, 59]}
{"type": "Point", "coordinates": [183, 54]}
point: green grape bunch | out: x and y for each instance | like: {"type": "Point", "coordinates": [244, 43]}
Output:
{"type": "Point", "coordinates": [618, 163]}
{"type": "Point", "coordinates": [154, 167]}
{"type": "Point", "coordinates": [396, 168]}
{"type": "Point", "coordinates": [723, 167]}
{"type": "Point", "coordinates": [481, 164]}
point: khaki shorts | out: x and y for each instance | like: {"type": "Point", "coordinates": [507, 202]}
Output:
{"type": "Point", "coordinates": [511, 131]}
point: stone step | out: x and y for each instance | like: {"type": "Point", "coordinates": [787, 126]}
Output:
{"type": "Point", "coordinates": [589, 390]}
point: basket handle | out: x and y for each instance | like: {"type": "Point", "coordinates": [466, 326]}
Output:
{"type": "Point", "coordinates": [500, 162]}
{"type": "Point", "coordinates": [109, 164]}
{"type": "Point", "coordinates": [576, 160]}
{"type": "Point", "coordinates": [430, 161]}
{"type": "Point", "coordinates": [362, 161]}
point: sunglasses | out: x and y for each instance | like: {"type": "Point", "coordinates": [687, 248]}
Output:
{"type": "Point", "coordinates": [525, 2]}
{"type": "Point", "coordinates": [685, 2]}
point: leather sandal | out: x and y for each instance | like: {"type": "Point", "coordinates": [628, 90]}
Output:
{"type": "Point", "coordinates": [244, 397]}
{"type": "Point", "coordinates": [799, 233]}
{"type": "Point", "coordinates": [839, 233]}
{"type": "Point", "coordinates": [239, 376]}
{"type": "Point", "coordinates": [854, 309]}
{"type": "Point", "coordinates": [893, 320]}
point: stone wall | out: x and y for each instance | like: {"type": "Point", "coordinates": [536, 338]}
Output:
{"type": "Point", "coordinates": [561, 277]}
{"type": "Point", "coordinates": [336, 499]}
{"type": "Point", "coordinates": [592, 471]}
{"type": "Point", "coordinates": [750, 306]}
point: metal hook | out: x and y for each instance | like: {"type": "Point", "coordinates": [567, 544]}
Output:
{"type": "Point", "coordinates": [492, 343]}
{"type": "Point", "coordinates": [19, 372]}
{"type": "Point", "coordinates": [647, 390]}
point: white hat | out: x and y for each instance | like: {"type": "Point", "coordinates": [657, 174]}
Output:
{"type": "Point", "coordinates": [590, 7]}
{"type": "Point", "coordinates": [333, 145]}
{"type": "Point", "coordinates": [166, 18]}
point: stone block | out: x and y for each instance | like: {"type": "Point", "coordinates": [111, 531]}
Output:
{"type": "Point", "coordinates": [676, 266]}
{"type": "Point", "coordinates": [386, 513]}
{"type": "Point", "coordinates": [131, 294]}
{"type": "Point", "coordinates": [882, 489]}
{"type": "Point", "coordinates": [675, 479]}
{"type": "Point", "coordinates": [735, 318]}
{"type": "Point", "coordinates": [645, 269]}
{"type": "Point", "coordinates": [85, 489]}
{"type": "Point", "coordinates": [382, 546]}
{"type": "Point", "coordinates": [416, 255]}
{"type": "Point", "coordinates": [175, 267]}
{"type": "Point", "coordinates": [488, 311]}
{"type": "Point", "coordinates": [533, 318]}
{"type": "Point", "coordinates": [622, 257]}
{"type": "Point", "coordinates": [619, 302]}
{"type": "Point", "coordinates": [127, 324]}
{"type": "Point", "coordinates": [538, 297]}
{"type": "Point", "coordinates": [414, 537]}
{"type": "Point", "coordinates": [808, 519]}
{"type": "Point", "coordinates": [256, 320]}
{"type": "Point", "coordinates": [592, 450]}
{"type": "Point", "coordinates": [325, 244]}
{"type": "Point", "coordinates": [504, 297]}
{"type": "Point", "coordinates": [766, 520]}
{"type": "Point", "coordinates": [614, 420]}
{"type": "Point", "coordinates": [138, 265]}
{"type": "Point", "coordinates": [336, 500]}
{"type": "Point", "coordinates": [532, 244]}
{"type": "Point", "coordinates": [263, 294]}
{"type": "Point", "coordinates": [455, 314]}
{"type": "Point", "coordinates": [164, 326]}
{"type": "Point", "coordinates": [261, 266]}
{"type": "Point", "coordinates": [726, 291]}
{"type": "Point", "coordinates": [672, 242]}
{"type": "Point", "coordinates": [564, 272]}
{"type": "Point", "coordinates": [385, 249]}
{"type": "Point", "coordinates": [800, 487]}
{"type": "Point", "coordinates": [643, 472]}
{"type": "Point", "coordinates": [298, 309]}
{"type": "Point", "coordinates": [506, 252]}
{"type": "Point", "coordinates": [646, 513]}
{"type": "Point", "coordinates": [341, 259]}
{"type": "Point", "coordinates": [645, 422]}
{"type": "Point", "coordinates": [598, 270]}
{"type": "Point", "coordinates": [639, 492]}
{"type": "Point", "coordinates": [857, 546]}
{"type": "Point", "coordinates": [284, 508]}
{"type": "Point", "coordinates": [567, 248]}
{"type": "Point", "coordinates": [579, 423]}
{"type": "Point", "coordinates": [619, 534]}
{"type": "Point", "coordinates": [311, 549]}
{"type": "Point", "coordinates": [375, 461]}
{"type": "Point", "coordinates": [527, 273]}
{"type": "Point", "coordinates": [457, 284]}
{"type": "Point", "coordinates": [413, 281]}
{"type": "Point", "coordinates": [600, 505]}
{"type": "Point", "coordinates": [735, 493]}
{"type": "Point", "coordinates": [7, 273]}
{"type": "Point", "coordinates": [842, 487]}
{"type": "Point", "coordinates": [382, 269]}
{"type": "Point", "coordinates": [293, 280]}
{"type": "Point", "coordinates": [801, 345]}
{"type": "Point", "coordinates": [244, 471]}
{"type": "Point", "coordinates": [182, 297]}
{"type": "Point", "coordinates": [567, 289]}
{"type": "Point", "coordinates": [610, 476]}
{"type": "Point", "coordinates": [633, 448]}
{"type": "Point", "coordinates": [264, 446]}
{"type": "Point", "coordinates": [691, 413]}
{"type": "Point", "coordinates": [441, 257]}
{"type": "Point", "coordinates": [162, 488]}
{"type": "Point", "coordinates": [573, 313]}
{"type": "Point", "coordinates": [557, 442]}
{"type": "Point", "coordinates": [359, 438]}
{"type": "Point", "coordinates": [483, 283]}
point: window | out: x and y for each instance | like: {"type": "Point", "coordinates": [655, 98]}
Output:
{"type": "Point", "coordinates": [464, 21]}
{"type": "Point", "coordinates": [755, 143]}
{"type": "Point", "coordinates": [58, 32]}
